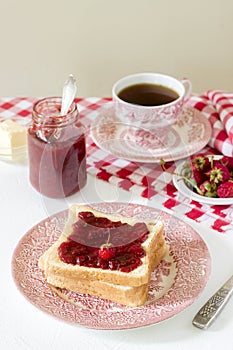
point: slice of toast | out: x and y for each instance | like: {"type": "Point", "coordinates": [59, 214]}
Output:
{"type": "Point", "coordinates": [126, 295]}
{"type": "Point", "coordinates": [51, 264]}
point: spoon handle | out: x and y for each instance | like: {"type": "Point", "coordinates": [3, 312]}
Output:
{"type": "Point", "coordinates": [68, 94]}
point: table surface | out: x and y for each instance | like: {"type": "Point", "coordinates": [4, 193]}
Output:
{"type": "Point", "coordinates": [23, 326]}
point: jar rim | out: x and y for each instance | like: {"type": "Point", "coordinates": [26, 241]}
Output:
{"type": "Point", "coordinates": [54, 119]}
{"type": "Point", "coordinates": [52, 100]}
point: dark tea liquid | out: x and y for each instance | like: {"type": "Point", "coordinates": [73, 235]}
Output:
{"type": "Point", "coordinates": [147, 94]}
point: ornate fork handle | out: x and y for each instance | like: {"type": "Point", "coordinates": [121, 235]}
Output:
{"type": "Point", "coordinates": [209, 312]}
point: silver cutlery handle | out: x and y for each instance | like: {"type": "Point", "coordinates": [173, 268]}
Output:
{"type": "Point", "coordinates": [212, 308]}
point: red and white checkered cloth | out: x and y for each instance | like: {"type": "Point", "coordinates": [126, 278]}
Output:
{"type": "Point", "coordinates": [145, 180]}
{"type": "Point", "coordinates": [223, 103]}
{"type": "Point", "coordinates": [217, 107]}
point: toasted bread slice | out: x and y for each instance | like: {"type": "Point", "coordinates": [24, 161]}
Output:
{"type": "Point", "coordinates": [126, 295]}
{"type": "Point", "coordinates": [52, 265]}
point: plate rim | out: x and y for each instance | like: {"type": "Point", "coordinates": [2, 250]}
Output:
{"type": "Point", "coordinates": [185, 304]}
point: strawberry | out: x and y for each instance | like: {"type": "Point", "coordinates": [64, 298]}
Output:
{"type": "Point", "coordinates": [200, 162]}
{"type": "Point", "coordinates": [208, 188]}
{"type": "Point", "coordinates": [106, 252]}
{"type": "Point", "coordinates": [225, 190]}
{"type": "Point", "coordinates": [199, 176]}
{"type": "Point", "coordinates": [219, 173]}
{"type": "Point", "coordinates": [228, 162]}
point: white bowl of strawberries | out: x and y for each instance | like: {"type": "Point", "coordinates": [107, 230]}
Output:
{"type": "Point", "coordinates": [206, 178]}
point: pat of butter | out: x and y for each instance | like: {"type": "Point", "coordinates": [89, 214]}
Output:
{"type": "Point", "coordinates": [12, 135]}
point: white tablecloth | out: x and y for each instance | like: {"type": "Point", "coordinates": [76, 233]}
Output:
{"type": "Point", "coordinates": [23, 326]}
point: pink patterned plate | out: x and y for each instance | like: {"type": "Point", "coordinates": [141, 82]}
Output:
{"type": "Point", "coordinates": [191, 133]}
{"type": "Point", "coordinates": [175, 284]}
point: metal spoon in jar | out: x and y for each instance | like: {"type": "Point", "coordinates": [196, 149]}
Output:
{"type": "Point", "coordinates": [68, 95]}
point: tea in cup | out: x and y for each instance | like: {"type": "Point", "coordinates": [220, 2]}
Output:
{"type": "Point", "coordinates": [150, 100]}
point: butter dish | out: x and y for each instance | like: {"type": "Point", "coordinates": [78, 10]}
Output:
{"type": "Point", "coordinates": [13, 141]}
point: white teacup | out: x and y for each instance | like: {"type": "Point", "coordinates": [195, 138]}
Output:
{"type": "Point", "coordinates": [151, 116]}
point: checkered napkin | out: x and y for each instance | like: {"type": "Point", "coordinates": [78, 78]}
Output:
{"type": "Point", "coordinates": [145, 180]}
{"type": "Point", "coordinates": [217, 106]}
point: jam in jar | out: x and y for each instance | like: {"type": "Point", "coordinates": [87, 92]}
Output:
{"type": "Point", "coordinates": [57, 151]}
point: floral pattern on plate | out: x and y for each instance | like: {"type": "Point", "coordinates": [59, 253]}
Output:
{"type": "Point", "coordinates": [175, 283]}
{"type": "Point", "coordinates": [189, 135]}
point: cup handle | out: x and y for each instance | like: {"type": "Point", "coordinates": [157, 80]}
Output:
{"type": "Point", "coordinates": [188, 88]}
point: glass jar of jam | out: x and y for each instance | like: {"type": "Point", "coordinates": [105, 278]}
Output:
{"type": "Point", "coordinates": [57, 151]}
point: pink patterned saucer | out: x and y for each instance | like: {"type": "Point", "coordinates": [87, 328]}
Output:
{"type": "Point", "coordinates": [191, 133]}
{"type": "Point", "coordinates": [175, 284]}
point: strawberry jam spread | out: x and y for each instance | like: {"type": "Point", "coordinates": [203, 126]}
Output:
{"type": "Point", "coordinates": [101, 243]}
